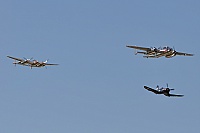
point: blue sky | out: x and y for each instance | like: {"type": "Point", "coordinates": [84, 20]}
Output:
{"type": "Point", "coordinates": [98, 86]}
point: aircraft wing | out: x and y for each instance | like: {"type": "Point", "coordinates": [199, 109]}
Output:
{"type": "Point", "coordinates": [152, 90]}
{"type": "Point", "coordinates": [174, 95]}
{"type": "Point", "coordinates": [50, 64]}
{"type": "Point", "coordinates": [146, 56]}
{"type": "Point", "coordinates": [139, 48]}
{"type": "Point", "coordinates": [184, 54]}
{"type": "Point", "coordinates": [15, 58]}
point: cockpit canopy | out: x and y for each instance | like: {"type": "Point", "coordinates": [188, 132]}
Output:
{"type": "Point", "coordinates": [165, 48]}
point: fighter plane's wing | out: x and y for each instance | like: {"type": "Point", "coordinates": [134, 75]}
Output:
{"type": "Point", "coordinates": [150, 89]}
{"type": "Point", "coordinates": [184, 54]}
{"type": "Point", "coordinates": [15, 58]}
{"type": "Point", "coordinates": [174, 95]}
{"type": "Point", "coordinates": [140, 48]}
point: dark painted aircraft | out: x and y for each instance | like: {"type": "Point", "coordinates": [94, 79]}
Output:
{"type": "Point", "coordinates": [162, 90]}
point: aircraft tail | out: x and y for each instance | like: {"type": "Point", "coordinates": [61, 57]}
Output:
{"type": "Point", "coordinates": [46, 61]}
{"type": "Point", "coordinates": [157, 87]}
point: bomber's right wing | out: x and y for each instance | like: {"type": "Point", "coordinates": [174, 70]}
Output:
{"type": "Point", "coordinates": [50, 64]}
{"type": "Point", "coordinates": [139, 48]}
{"type": "Point", "coordinates": [15, 58]}
{"type": "Point", "coordinates": [184, 54]}
{"type": "Point", "coordinates": [150, 89]}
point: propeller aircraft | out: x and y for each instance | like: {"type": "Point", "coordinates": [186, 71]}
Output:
{"type": "Point", "coordinates": [162, 90]}
{"type": "Point", "coordinates": [154, 52]}
{"type": "Point", "coordinates": [29, 62]}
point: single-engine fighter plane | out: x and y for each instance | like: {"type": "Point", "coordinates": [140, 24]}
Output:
{"type": "Point", "coordinates": [162, 90]}
{"type": "Point", "coordinates": [29, 62]}
{"type": "Point", "coordinates": [154, 52]}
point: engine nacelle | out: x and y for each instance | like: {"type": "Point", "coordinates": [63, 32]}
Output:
{"type": "Point", "coordinates": [171, 55]}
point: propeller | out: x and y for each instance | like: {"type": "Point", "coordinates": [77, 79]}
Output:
{"type": "Point", "coordinates": [135, 51]}
{"type": "Point", "coordinates": [15, 63]}
{"type": "Point", "coordinates": [168, 87]}
{"type": "Point", "coordinates": [173, 48]}
{"type": "Point", "coordinates": [154, 49]}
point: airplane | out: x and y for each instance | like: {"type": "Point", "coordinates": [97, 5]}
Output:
{"type": "Point", "coordinates": [154, 52]}
{"type": "Point", "coordinates": [162, 90]}
{"type": "Point", "coordinates": [29, 62]}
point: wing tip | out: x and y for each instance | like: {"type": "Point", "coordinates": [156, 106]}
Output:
{"type": "Point", "coordinates": [131, 46]}
{"type": "Point", "coordinates": [146, 87]}
{"type": "Point", "coordinates": [128, 46]}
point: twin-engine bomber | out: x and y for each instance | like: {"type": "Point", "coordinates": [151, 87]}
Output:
{"type": "Point", "coordinates": [29, 62]}
{"type": "Point", "coordinates": [154, 52]}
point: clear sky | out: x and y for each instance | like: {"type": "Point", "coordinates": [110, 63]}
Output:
{"type": "Point", "coordinates": [98, 86]}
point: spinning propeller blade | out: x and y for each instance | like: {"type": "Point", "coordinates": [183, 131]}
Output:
{"type": "Point", "coordinates": [169, 88]}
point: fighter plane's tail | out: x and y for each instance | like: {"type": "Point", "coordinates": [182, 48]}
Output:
{"type": "Point", "coordinates": [157, 87]}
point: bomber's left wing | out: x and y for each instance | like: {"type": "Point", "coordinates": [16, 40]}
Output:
{"type": "Point", "coordinates": [174, 95]}
{"type": "Point", "coordinates": [150, 89]}
{"type": "Point", "coordinates": [139, 48]}
{"type": "Point", "coordinates": [184, 54]}
{"type": "Point", "coordinates": [15, 58]}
